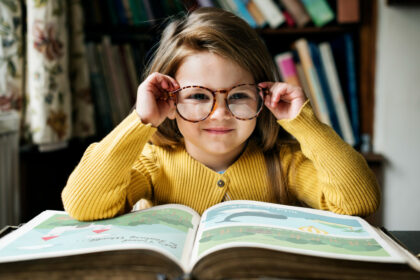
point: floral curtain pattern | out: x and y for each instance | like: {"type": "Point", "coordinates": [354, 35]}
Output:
{"type": "Point", "coordinates": [83, 108]}
{"type": "Point", "coordinates": [11, 55]}
{"type": "Point", "coordinates": [48, 98]}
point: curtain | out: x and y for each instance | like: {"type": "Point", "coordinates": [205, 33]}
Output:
{"type": "Point", "coordinates": [48, 97]}
{"type": "Point", "coordinates": [53, 84]}
{"type": "Point", "coordinates": [11, 56]}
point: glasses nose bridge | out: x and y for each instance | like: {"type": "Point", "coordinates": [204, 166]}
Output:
{"type": "Point", "coordinates": [223, 92]}
{"type": "Point", "coordinates": [216, 103]}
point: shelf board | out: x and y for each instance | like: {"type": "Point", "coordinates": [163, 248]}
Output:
{"type": "Point", "coordinates": [309, 30]}
{"type": "Point", "coordinates": [373, 157]}
{"type": "Point", "coordinates": [143, 32]}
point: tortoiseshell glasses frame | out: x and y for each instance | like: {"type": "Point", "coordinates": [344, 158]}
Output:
{"type": "Point", "coordinates": [261, 92]}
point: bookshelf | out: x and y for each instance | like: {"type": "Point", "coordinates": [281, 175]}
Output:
{"type": "Point", "coordinates": [277, 40]}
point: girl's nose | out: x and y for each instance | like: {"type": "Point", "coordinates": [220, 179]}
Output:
{"type": "Point", "coordinates": [220, 110]}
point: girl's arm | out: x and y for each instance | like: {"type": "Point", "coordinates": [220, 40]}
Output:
{"type": "Point", "coordinates": [108, 180]}
{"type": "Point", "coordinates": [325, 172]}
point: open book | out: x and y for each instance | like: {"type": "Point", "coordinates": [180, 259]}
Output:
{"type": "Point", "coordinates": [234, 239]}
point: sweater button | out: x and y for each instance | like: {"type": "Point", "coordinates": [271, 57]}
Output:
{"type": "Point", "coordinates": [221, 183]}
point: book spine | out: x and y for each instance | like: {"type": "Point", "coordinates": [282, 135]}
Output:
{"type": "Point", "coordinates": [205, 3]}
{"type": "Point", "coordinates": [101, 98]}
{"type": "Point", "coordinates": [313, 80]}
{"type": "Point", "coordinates": [118, 105]}
{"type": "Point", "coordinates": [108, 84]}
{"type": "Point", "coordinates": [133, 77]}
{"type": "Point", "coordinates": [319, 10]}
{"type": "Point", "coordinates": [287, 68]}
{"type": "Point", "coordinates": [297, 11]}
{"type": "Point", "coordinates": [135, 12]}
{"type": "Point", "coordinates": [256, 14]}
{"type": "Point", "coordinates": [122, 17]}
{"type": "Point", "coordinates": [127, 11]}
{"type": "Point", "coordinates": [348, 11]}
{"type": "Point", "coordinates": [148, 8]}
{"type": "Point", "coordinates": [304, 83]}
{"type": "Point", "coordinates": [243, 12]}
{"type": "Point", "coordinates": [271, 12]}
{"type": "Point", "coordinates": [352, 87]}
{"type": "Point", "coordinates": [123, 84]}
{"type": "Point", "coordinates": [290, 22]}
{"type": "Point", "coordinates": [98, 12]}
{"type": "Point", "coordinates": [336, 92]}
{"type": "Point", "coordinates": [316, 58]}
{"type": "Point", "coordinates": [112, 12]}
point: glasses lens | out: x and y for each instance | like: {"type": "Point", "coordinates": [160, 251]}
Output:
{"type": "Point", "coordinates": [245, 101]}
{"type": "Point", "coordinates": [194, 103]}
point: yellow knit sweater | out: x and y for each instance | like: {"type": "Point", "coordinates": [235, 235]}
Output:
{"type": "Point", "coordinates": [323, 172]}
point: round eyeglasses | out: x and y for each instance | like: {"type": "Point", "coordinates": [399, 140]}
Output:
{"type": "Point", "coordinates": [197, 103]}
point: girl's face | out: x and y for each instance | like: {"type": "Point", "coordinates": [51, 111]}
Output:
{"type": "Point", "coordinates": [218, 140]}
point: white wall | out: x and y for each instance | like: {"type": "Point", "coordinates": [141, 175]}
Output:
{"type": "Point", "coordinates": [397, 113]}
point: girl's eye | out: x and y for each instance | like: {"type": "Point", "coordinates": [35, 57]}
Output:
{"type": "Point", "coordinates": [239, 95]}
{"type": "Point", "coordinates": [198, 96]}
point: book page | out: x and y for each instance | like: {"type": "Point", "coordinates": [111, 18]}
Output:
{"type": "Point", "coordinates": [168, 229]}
{"type": "Point", "coordinates": [290, 229]}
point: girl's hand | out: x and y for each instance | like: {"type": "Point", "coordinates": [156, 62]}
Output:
{"type": "Point", "coordinates": [153, 104]}
{"type": "Point", "coordinates": [284, 100]}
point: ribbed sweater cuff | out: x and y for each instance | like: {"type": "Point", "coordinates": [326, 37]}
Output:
{"type": "Point", "coordinates": [130, 128]}
{"type": "Point", "coordinates": [307, 129]}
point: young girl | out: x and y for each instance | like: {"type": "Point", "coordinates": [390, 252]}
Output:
{"type": "Point", "coordinates": [207, 129]}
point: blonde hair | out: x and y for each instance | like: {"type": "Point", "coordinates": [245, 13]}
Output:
{"type": "Point", "coordinates": [222, 33]}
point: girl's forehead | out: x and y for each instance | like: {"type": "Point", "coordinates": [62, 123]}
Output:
{"type": "Point", "coordinates": [211, 70]}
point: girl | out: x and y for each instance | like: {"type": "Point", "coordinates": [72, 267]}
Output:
{"type": "Point", "coordinates": [207, 128]}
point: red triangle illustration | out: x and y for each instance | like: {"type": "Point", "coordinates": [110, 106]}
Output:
{"type": "Point", "coordinates": [99, 230]}
{"type": "Point", "coordinates": [46, 238]}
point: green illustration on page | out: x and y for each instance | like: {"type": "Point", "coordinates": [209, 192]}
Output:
{"type": "Point", "coordinates": [162, 229]}
{"type": "Point", "coordinates": [285, 227]}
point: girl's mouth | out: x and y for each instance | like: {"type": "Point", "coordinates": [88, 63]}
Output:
{"type": "Point", "coordinates": [218, 130]}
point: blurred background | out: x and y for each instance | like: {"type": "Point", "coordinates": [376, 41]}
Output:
{"type": "Point", "coordinates": [69, 70]}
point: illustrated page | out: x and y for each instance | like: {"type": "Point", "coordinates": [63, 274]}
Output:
{"type": "Point", "coordinates": [288, 228]}
{"type": "Point", "coordinates": [167, 229]}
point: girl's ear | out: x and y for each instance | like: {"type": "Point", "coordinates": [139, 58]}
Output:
{"type": "Point", "coordinates": [172, 113]}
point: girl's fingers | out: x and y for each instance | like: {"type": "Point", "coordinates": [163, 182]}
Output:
{"type": "Point", "coordinates": [265, 84]}
{"type": "Point", "coordinates": [162, 81]}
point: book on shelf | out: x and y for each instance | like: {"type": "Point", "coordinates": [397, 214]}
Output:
{"type": "Point", "coordinates": [121, 13]}
{"type": "Point", "coordinates": [348, 11]}
{"type": "Point", "coordinates": [336, 92]}
{"type": "Point", "coordinates": [103, 65]}
{"type": "Point", "coordinates": [235, 239]}
{"type": "Point", "coordinates": [139, 13]}
{"type": "Point", "coordinates": [287, 68]}
{"type": "Point", "coordinates": [302, 79]}
{"type": "Point", "coordinates": [290, 22]}
{"type": "Point", "coordinates": [112, 11]}
{"type": "Point", "coordinates": [100, 94]}
{"type": "Point", "coordinates": [271, 12]}
{"type": "Point", "coordinates": [242, 11]}
{"type": "Point", "coordinates": [343, 52]}
{"type": "Point", "coordinates": [297, 11]}
{"type": "Point", "coordinates": [127, 11]}
{"type": "Point", "coordinates": [325, 89]}
{"type": "Point", "coordinates": [124, 82]}
{"type": "Point", "coordinates": [319, 11]}
{"type": "Point", "coordinates": [311, 75]}
{"type": "Point", "coordinates": [131, 72]}
{"type": "Point", "coordinates": [256, 13]}
{"type": "Point", "coordinates": [205, 3]}
{"type": "Point", "coordinates": [110, 68]}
